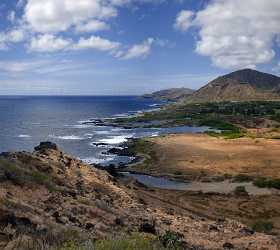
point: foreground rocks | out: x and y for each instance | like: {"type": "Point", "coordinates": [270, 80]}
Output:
{"type": "Point", "coordinates": [48, 197]}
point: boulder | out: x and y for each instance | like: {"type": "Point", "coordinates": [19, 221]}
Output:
{"type": "Point", "coordinates": [46, 146]}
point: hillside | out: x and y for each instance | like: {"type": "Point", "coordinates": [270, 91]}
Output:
{"type": "Point", "coordinates": [48, 198]}
{"type": "Point", "coordinates": [173, 94]}
{"type": "Point", "coordinates": [242, 85]}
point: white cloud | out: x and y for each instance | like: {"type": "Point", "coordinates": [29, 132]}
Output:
{"type": "Point", "coordinates": [16, 35]}
{"type": "Point", "coordinates": [38, 66]}
{"type": "Point", "coordinates": [92, 26]}
{"type": "Point", "coordinates": [238, 33]}
{"type": "Point", "coordinates": [48, 43]}
{"type": "Point", "coordinates": [19, 66]}
{"type": "Point", "coordinates": [43, 26]}
{"type": "Point", "coordinates": [129, 2]}
{"type": "Point", "coordinates": [47, 16]}
{"type": "Point", "coordinates": [59, 15]}
{"type": "Point", "coordinates": [137, 51]}
{"type": "Point", "coordinates": [184, 20]}
{"type": "Point", "coordinates": [12, 36]}
{"type": "Point", "coordinates": [52, 43]}
{"type": "Point", "coordinates": [96, 42]}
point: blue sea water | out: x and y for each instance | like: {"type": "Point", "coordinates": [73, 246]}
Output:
{"type": "Point", "coordinates": [27, 120]}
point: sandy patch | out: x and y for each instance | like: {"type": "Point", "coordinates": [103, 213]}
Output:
{"type": "Point", "coordinates": [203, 154]}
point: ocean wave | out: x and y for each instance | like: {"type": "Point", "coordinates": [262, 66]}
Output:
{"type": "Point", "coordinates": [118, 129]}
{"type": "Point", "coordinates": [155, 134]}
{"type": "Point", "coordinates": [118, 139]}
{"type": "Point", "coordinates": [122, 115]}
{"type": "Point", "coordinates": [154, 105]}
{"type": "Point", "coordinates": [85, 121]}
{"type": "Point", "coordinates": [89, 135]}
{"type": "Point", "coordinates": [95, 160]}
{"type": "Point", "coordinates": [24, 136]}
{"type": "Point", "coordinates": [79, 126]}
{"type": "Point", "coordinates": [68, 137]}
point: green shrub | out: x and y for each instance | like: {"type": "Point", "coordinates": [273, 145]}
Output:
{"type": "Point", "coordinates": [135, 241]}
{"type": "Point", "coordinates": [267, 183]}
{"type": "Point", "coordinates": [242, 178]}
{"type": "Point", "coordinates": [240, 190]}
{"type": "Point", "coordinates": [260, 182]}
{"type": "Point", "coordinates": [262, 226]}
{"type": "Point", "coordinates": [219, 124]}
{"type": "Point", "coordinates": [21, 176]}
{"type": "Point", "coordinates": [172, 240]}
{"type": "Point", "coordinates": [276, 137]}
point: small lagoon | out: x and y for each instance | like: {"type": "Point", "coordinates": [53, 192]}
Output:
{"type": "Point", "coordinates": [223, 187]}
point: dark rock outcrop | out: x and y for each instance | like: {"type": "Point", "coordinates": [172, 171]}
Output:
{"type": "Point", "coordinates": [45, 146]}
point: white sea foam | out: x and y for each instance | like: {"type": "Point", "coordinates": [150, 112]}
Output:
{"type": "Point", "coordinates": [85, 121]}
{"type": "Point", "coordinates": [81, 126]}
{"type": "Point", "coordinates": [68, 137]}
{"type": "Point", "coordinates": [117, 139]}
{"type": "Point", "coordinates": [88, 135]}
{"type": "Point", "coordinates": [24, 136]}
{"type": "Point", "coordinates": [123, 115]}
{"type": "Point", "coordinates": [95, 160]}
{"type": "Point", "coordinates": [155, 134]}
{"type": "Point", "coordinates": [154, 105]}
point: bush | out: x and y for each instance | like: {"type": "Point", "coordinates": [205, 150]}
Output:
{"type": "Point", "coordinates": [219, 124]}
{"type": "Point", "coordinates": [267, 183]}
{"type": "Point", "coordinates": [242, 178]}
{"type": "Point", "coordinates": [240, 190]}
{"type": "Point", "coordinates": [172, 240]}
{"type": "Point", "coordinates": [21, 176]}
{"type": "Point", "coordinates": [135, 241]}
{"type": "Point", "coordinates": [262, 226]}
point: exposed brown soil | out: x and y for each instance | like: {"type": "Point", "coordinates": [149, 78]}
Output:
{"type": "Point", "coordinates": [79, 198]}
{"type": "Point", "coordinates": [199, 155]}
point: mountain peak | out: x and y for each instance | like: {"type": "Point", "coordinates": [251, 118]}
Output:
{"type": "Point", "coordinates": [256, 79]}
{"type": "Point", "coordinates": [240, 85]}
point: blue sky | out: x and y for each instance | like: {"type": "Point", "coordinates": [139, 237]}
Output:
{"type": "Point", "coordinates": [119, 47]}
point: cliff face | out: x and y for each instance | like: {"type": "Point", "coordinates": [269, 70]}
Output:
{"type": "Point", "coordinates": [48, 197]}
{"type": "Point", "coordinates": [242, 85]}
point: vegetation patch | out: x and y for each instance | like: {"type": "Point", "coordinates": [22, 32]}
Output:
{"type": "Point", "coordinates": [143, 147]}
{"type": "Point", "coordinates": [267, 183]}
{"type": "Point", "coordinates": [21, 175]}
{"type": "Point", "coordinates": [262, 226]}
{"type": "Point", "coordinates": [240, 190]}
{"type": "Point", "coordinates": [170, 241]}
{"type": "Point", "coordinates": [242, 178]}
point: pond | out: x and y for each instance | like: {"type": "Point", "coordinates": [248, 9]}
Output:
{"type": "Point", "coordinates": [223, 187]}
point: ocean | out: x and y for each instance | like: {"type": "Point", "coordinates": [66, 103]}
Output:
{"type": "Point", "coordinates": [25, 121]}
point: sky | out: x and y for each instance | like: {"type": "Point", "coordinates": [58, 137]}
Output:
{"type": "Point", "coordinates": [132, 47]}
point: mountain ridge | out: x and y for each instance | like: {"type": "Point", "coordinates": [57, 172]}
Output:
{"type": "Point", "coordinates": [172, 94]}
{"type": "Point", "coordinates": [241, 85]}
